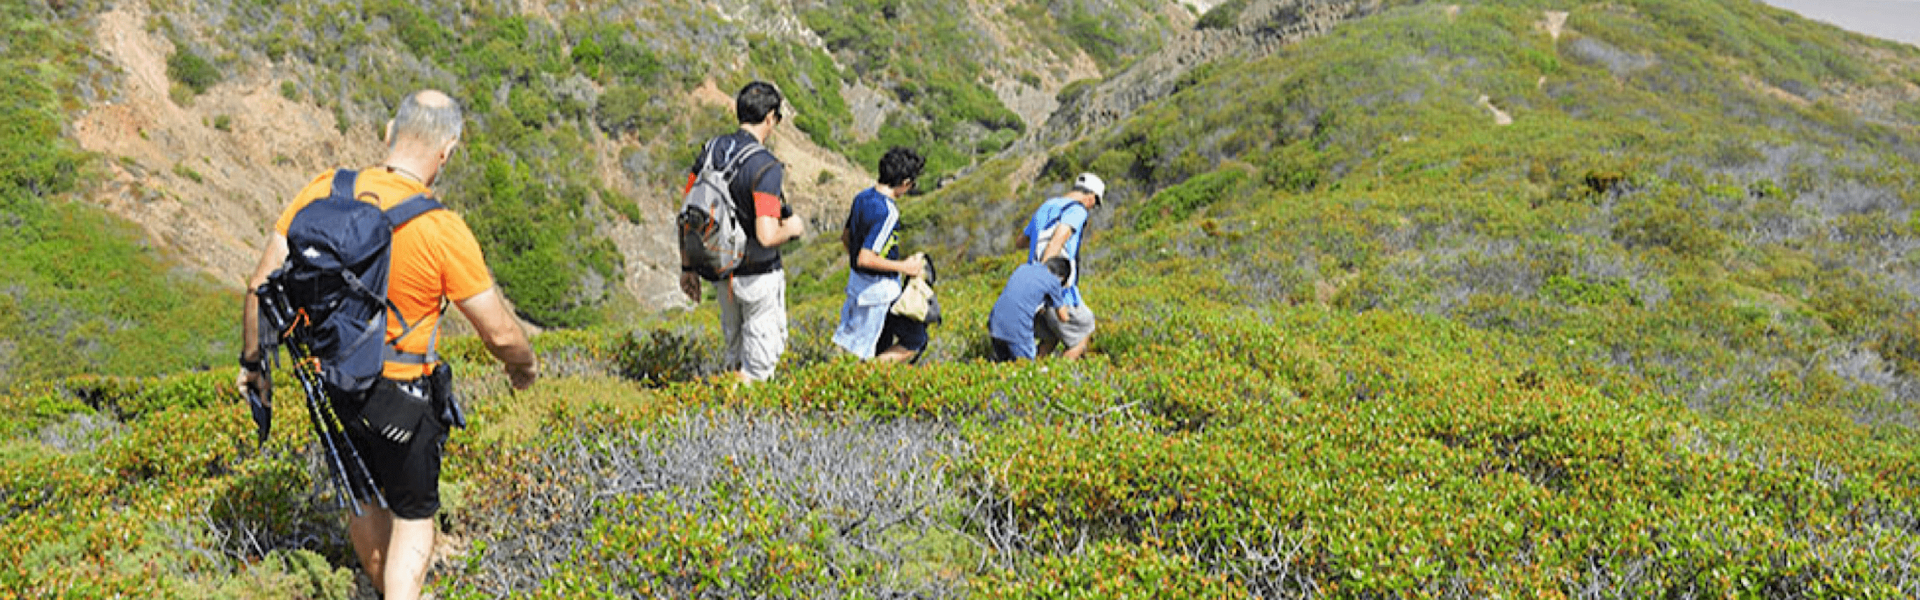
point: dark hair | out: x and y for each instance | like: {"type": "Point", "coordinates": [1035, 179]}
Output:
{"type": "Point", "coordinates": [1061, 267]}
{"type": "Point", "coordinates": [755, 102]}
{"type": "Point", "coordinates": [899, 165]}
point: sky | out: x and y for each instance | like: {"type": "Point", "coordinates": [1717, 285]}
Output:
{"type": "Point", "coordinates": [1897, 20]}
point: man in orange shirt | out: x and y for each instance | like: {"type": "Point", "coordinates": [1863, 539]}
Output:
{"type": "Point", "coordinates": [434, 256]}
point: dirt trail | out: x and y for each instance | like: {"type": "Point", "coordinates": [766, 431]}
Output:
{"type": "Point", "coordinates": [1555, 22]}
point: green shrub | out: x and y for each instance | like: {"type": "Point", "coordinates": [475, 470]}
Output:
{"type": "Point", "coordinates": [1651, 224]}
{"type": "Point", "coordinates": [586, 57]}
{"type": "Point", "coordinates": [811, 84]}
{"type": "Point", "coordinates": [186, 172]}
{"type": "Point", "coordinates": [1581, 291]}
{"type": "Point", "coordinates": [1224, 15]}
{"type": "Point", "coordinates": [1174, 204]}
{"type": "Point", "coordinates": [1093, 35]}
{"type": "Point", "coordinates": [422, 34]}
{"type": "Point", "coordinates": [631, 64]}
{"type": "Point", "coordinates": [190, 69]}
{"type": "Point", "coordinates": [663, 357]}
{"type": "Point", "coordinates": [541, 251]}
{"type": "Point", "coordinates": [623, 109]}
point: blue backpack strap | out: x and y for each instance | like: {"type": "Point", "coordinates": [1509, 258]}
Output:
{"type": "Point", "coordinates": [400, 214]}
{"type": "Point", "coordinates": [343, 183]}
{"type": "Point", "coordinates": [410, 208]}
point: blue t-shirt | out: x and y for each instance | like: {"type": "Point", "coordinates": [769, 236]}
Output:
{"type": "Point", "coordinates": [1054, 213]}
{"type": "Point", "coordinates": [871, 223]}
{"type": "Point", "coordinates": [1031, 287]}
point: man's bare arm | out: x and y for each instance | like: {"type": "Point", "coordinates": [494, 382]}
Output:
{"type": "Point", "coordinates": [872, 261]}
{"type": "Point", "coordinates": [502, 334]}
{"type": "Point", "coordinates": [772, 232]}
{"type": "Point", "coordinates": [1060, 236]}
{"type": "Point", "coordinates": [272, 255]}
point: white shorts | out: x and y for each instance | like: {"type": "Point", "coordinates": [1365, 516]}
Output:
{"type": "Point", "coordinates": [753, 316]}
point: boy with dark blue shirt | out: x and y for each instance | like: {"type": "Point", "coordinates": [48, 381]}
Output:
{"type": "Point", "coordinates": [1032, 287]}
{"type": "Point", "coordinates": [876, 273]}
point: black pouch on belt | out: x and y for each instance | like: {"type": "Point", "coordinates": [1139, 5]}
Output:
{"type": "Point", "coordinates": [447, 402]}
{"type": "Point", "coordinates": [394, 410]}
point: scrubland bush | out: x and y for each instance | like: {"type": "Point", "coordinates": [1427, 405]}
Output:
{"type": "Point", "coordinates": [192, 70]}
{"type": "Point", "coordinates": [811, 82]}
{"type": "Point", "coordinates": [724, 505]}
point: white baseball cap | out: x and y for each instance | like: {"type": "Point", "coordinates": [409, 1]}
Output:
{"type": "Point", "coordinates": [1092, 184]}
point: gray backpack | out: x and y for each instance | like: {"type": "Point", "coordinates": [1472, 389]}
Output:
{"type": "Point", "coordinates": [712, 239]}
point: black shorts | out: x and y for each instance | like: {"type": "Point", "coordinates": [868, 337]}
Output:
{"type": "Point", "coordinates": [999, 350]}
{"type": "Point", "coordinates": [408, 474]}
{"type": "Point", "coordinates": [903, 332]}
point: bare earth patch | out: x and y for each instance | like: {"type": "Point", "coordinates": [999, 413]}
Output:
{"type": "Point", "coordinates": [204, 195]}
{"type": "Point", "coordinates": [1555, 22]}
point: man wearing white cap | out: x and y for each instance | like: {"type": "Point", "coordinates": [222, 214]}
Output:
{"type": "Point", "coordinates": [1055, 230]}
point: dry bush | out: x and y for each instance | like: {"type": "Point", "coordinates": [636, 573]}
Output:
{"type": "Point", "coordinates": [870, 502]}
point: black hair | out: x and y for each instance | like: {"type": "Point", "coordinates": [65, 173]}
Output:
{"type": "Point", "coordinates": [1096, 197]}
{"type": "Point", "coordinates": [899, 165]}
{"type": "Point", "coordinates": [1061, 267]}
{"type": "Point", "coordinates": [755, 102]}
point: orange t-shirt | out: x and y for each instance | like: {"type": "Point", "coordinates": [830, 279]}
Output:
{"type": "Point", "coordinates": [433, 256]}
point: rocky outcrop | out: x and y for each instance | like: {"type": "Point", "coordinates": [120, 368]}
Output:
{"type": "Point", "coordinates": [1258, 29]}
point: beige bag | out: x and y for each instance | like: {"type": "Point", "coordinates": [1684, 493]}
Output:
{"type": "Point", "coordinates": [916, 298]}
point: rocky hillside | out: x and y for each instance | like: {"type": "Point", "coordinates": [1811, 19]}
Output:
{"type": "Point", "coordinates": [1237, 29]}
{"type": "Point", "coordinates": [203, 159]}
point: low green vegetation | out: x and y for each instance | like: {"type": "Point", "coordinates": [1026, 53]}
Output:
{"type": "Point", "coordinates": [1299, 450]}
{"type": "Point", "coordinates": [1656, 338]}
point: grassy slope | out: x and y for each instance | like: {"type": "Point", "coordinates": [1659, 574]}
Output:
{"type": "Point", "coordinates": [82, 294]}
{"type": "Point", "coordinates": [1629, 345]}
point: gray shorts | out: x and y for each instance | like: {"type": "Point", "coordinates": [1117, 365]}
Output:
{"type": "Point", "coordinates": [1047, 326]}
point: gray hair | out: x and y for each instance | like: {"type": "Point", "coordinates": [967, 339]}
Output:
{"type": "Point", "coordinates": [427, 116]}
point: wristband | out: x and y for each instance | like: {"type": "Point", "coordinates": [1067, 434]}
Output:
{"type": "Point", "coordinates": [258, 365]}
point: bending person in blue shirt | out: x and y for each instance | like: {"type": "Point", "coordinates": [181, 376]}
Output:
{"type": "Point", "coordinates": [1034, 288]}
{"type": "Point", "coordinates": [875, 269]}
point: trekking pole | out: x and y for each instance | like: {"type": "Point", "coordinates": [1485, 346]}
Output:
{"type": "Point", "coordinates": [326, 424]}
{"type": "Point", "coordinates": [323, 431]}
{"type": "Point", "coordinates": [286, 322]}
{"type": "Point", "coordinates": [327, 415]}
